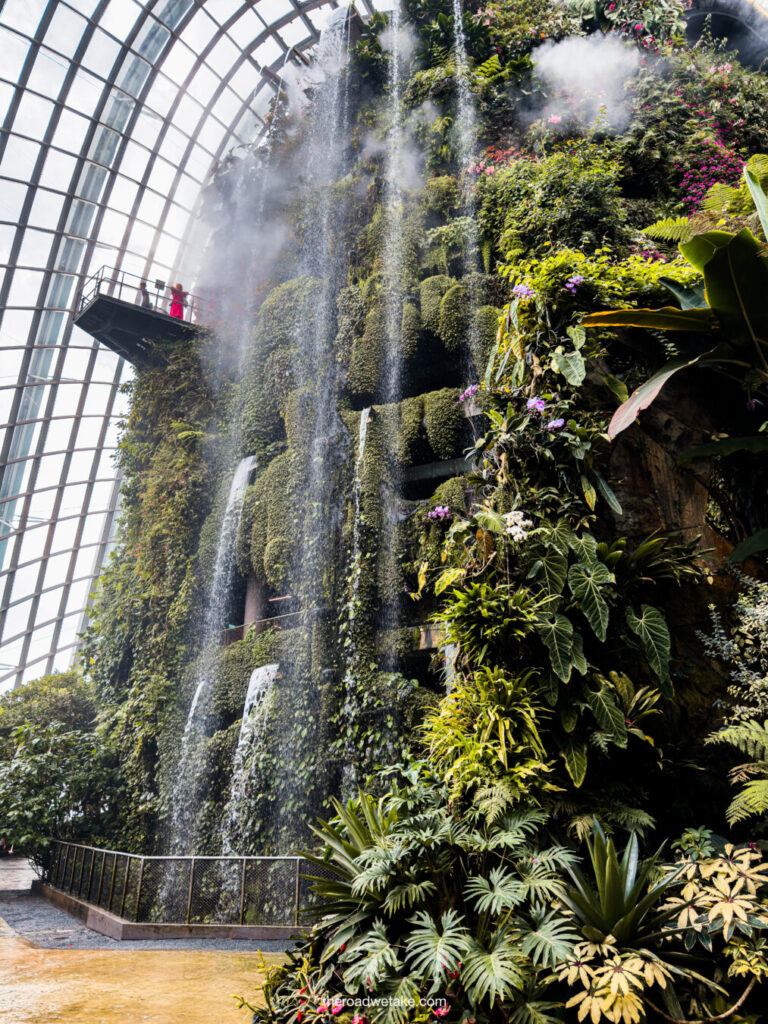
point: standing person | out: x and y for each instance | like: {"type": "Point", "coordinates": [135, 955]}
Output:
{"type": "Point", "coordinates": [178, 301]}
{"type": "Point", "coordinates": [142, 296]}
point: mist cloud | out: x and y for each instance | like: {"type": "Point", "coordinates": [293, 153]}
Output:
{"type": "Point", "coordinates": [586, 75]}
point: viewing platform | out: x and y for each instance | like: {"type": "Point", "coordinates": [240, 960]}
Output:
{"type": "Point", "coordinates": [113, 308]}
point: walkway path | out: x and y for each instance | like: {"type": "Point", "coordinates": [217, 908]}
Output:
{"type": "Point", "coordinates": [54, 969]}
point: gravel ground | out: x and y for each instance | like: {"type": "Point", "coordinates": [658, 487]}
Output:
{"type": "Point", "coordinates": [35, 919]}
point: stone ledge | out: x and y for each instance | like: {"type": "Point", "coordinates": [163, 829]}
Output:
{"type": "Point", "coordinates": [114, 927]}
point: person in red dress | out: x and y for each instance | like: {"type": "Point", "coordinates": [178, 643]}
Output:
{"type": "Point", "coordinates": [178, 301]}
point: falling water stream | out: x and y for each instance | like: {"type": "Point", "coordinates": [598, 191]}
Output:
{"type": "Point", "coordinates": [255, 712]}
{"type": "Point", "coordinates": [185, 796]}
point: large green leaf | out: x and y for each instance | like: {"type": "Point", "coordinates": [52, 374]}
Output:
{"type": "Point", "coordinates": [571, 365]}
{"type": "Point", "coordinates": [494, 971]}
{"type": "Point", "coordinates": [690, 298]}
{"type": "Point", "coordinates": [557, 636]}
{"type": "Point", "coordinates": [644, 395]}
{"type": "Point", "coordinates": [586, 582]}
{"type": "Point", "coordinates": [575, 757]}
{"type": "Point", "coordinates": [608, 714]}
{"type": "Point", "coordinates": [668, 318]}
{"type": "Point", "coordinates": [736, 279]}
{"type": "Point", "coordinates": [726, 446]}
{"type": "Point", "coordinates": [552, 941]}
{"type": "Point", "coordinates": [607, 493]}
{"type": "Point", "coordinates": [550, 570]}
{"type": "Point", "coordinates": [651, 627]}
{"type": "Point", "coordinates": [757, 542]}
{"type": "Point", "coordinates": [434, 949]}
{"type": "Point", "coordinates": [758, 197]}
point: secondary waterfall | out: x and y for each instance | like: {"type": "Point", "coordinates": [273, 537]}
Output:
{"type": "Point", "coordinates": [255, 712]}
{"type": "Point", "coordinates": [466, 122]}
{"type": "Point", "coordinates": [357, 554]}
{"type": "Point", "coordinates": [185, 793]}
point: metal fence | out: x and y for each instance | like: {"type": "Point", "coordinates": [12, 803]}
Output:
{"type": "Point", "coordinates": [119, 284]}
{"type": "Point", "coordinates": [184, 890]}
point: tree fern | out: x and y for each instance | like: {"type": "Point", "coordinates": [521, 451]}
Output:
{"type": "Point", "coordinates": [671, 229]}
{"type": "Point", "coordinates": [751, 738]}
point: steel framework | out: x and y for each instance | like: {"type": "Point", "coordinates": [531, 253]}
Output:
{"type": "Point", "coordinates": [114, 114]}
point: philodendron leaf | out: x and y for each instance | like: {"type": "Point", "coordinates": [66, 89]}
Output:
{"type": "Point", "coordinates": [651, 627]}
{"type": "Point", "coordinates": [643, 396]}
{"type": "Point", "coordinates": [608, 714]}
{"type": "Point", "coordinates": [557, 636]}
{"type": "Point", "coordinates": [490, 521]}
{"type": "Point", "coordinates": [586, 581]}
{"type": "Point", "coordinates": [571, 365]}
{"type": "Point", "coordinates": [575, 757]}
{"type": "Point", "coordinates": [551, 570]}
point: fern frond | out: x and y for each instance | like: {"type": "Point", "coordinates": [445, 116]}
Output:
{"type": "Point", "coordinates": [752, 800]}
{"type": "Point", "coordinates": [671, 229]}
{"type": "Point", "coordinates": [751, 738]}
{"type": "Point", "coordinates": [719, 197]}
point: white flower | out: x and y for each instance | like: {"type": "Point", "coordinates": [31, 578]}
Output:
{"type": "Point", "coordinates": [517, 525]}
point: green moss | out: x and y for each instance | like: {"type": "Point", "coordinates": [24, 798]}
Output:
{"type": "Point", "coordinates": [445, 423]}
{"type": "Point", "coordinates": [483, 337]}
{"type": "Point", "coordinates": [277, 560]}
{"type": "Point", "coordinates": [431, 291]}
{"type": "Point", "coordinates": [451, 493]}
{"type": "Point", "coordinates": [441, 195]}
{"type": "Point", "coordinates": [455, 311]}
{"type": "Point", "coordinates": [234, 666]}
{"type": "Point", "coordinates": [350, 319]}
{"type": "Point", "coordinates": [269, 511]}
{"type": "Point", "coordinates": [411, 330]}
{"type": "Point", "coordinates": [368, 354]}
{"type": "Point", "coordinates": [287, 306]}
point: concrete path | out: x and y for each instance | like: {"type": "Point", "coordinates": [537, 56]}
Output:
{"type": "Point", "coordinates": [33, 918]}
{"type": "Point", "coordinates": [16, 875]}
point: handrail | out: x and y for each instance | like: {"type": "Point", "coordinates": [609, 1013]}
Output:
{"type": "Point", "coordinates": [183, 889]}
{"type": "Point", "coordinates": [127, 287]}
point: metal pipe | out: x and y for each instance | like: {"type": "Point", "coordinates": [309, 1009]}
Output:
{"type": "Point", "coordinates": [242, 892]}
{"type": "Point", "coordinates": [90, 874]}
{"type": "Point", "coordinates": [101, 877]}
{"type": "Point", "coordinates": [112, 885]}
{"type": "Point", "coordinates": [138, 890]}
{"type": "Point", "coordinates": [189, 891]}
{"type": "Point", "coordinates": [125, 886]}
{"type": "Point", "coordinates": [296, 900]}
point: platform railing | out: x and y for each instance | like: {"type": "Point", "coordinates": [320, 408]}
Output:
{"type": "Point", "coordinates": [183, 890]}
{"type": "Point", "coordinates": [120, 284]}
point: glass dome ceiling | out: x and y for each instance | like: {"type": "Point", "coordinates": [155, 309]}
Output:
{"type": "Point", "coordinates": [114, 114]}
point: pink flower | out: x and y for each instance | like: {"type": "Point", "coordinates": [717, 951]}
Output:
{"type": "Point", "coordinates": [322, 1008]}
{"type": "Point", "coordinates": [337, 1008]}
{"type": "Point", "coordinates": [442, 1011]}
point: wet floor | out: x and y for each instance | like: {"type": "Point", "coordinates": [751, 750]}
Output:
{"type": "Point", "coordinates": [104, 986]}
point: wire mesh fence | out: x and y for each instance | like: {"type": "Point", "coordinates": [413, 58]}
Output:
{"type": "Point", "coordinates": [185, 890]}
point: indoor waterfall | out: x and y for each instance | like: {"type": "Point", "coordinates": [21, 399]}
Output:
{"type": "Point", "coordinates": [186, 790]}
{"type": "Point", "coordinates": [255, 711]}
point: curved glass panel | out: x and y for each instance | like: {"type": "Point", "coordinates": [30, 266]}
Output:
{"type": "Point", "coordinates": [113, 115]}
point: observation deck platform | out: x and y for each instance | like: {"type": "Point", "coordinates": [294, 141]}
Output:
{"type": "Point", "coordinates": [112, 308]}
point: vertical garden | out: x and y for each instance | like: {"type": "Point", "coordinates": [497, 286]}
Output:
{"type": "Point", "coordinates": [483, 624]}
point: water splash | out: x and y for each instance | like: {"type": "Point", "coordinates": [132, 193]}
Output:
{"type": "Point", "coordinates": [357, 554]}
{"type": "Point", "coordinates": [255, 715]}
{"type": "Point", "coordinates": [186, 793]}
